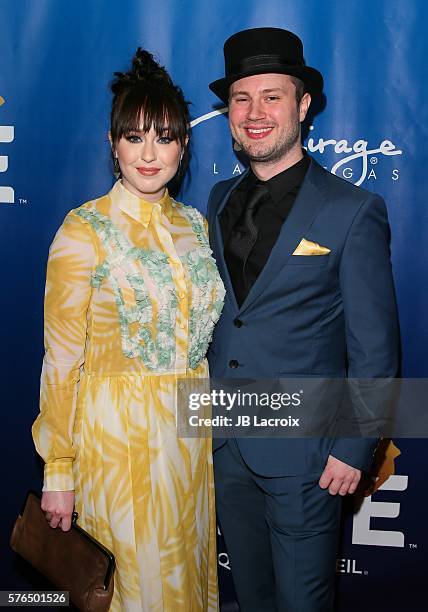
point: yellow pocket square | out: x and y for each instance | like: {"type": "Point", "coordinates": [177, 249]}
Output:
{"type": "Point", "coordinates": [306, 247]}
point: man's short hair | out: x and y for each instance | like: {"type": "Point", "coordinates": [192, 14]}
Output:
{"type": "Point", "coordinates": [300, 88]}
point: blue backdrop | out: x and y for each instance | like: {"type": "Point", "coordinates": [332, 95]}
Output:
{"type": "Point", "coordinates": [57, 59]}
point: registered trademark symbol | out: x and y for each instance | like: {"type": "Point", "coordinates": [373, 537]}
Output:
{"type": "Point", "coordinates": [301, 391]}
{"type": "Point", "coordinates": [373, 160]}
{"type": "Point", "coordinates": [413, 546]}
{"type": "Point", "coordinates": [365, 573]}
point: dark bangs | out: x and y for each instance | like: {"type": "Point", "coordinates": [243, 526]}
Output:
{"type": "Point", "coordinates": [140, 108]}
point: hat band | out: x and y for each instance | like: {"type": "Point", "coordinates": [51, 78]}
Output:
{"type": "Point", "coordinates": [258, 61]}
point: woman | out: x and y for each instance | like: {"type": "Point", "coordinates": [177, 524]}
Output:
{"type": "Point", "coordinates": [132, 295]}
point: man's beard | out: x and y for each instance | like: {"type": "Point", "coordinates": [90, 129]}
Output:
{"type": "Point", "coordinates": [274, 152]}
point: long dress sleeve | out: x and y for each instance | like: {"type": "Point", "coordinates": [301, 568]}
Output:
{"type": "Point", "coordinates": [72, 258]}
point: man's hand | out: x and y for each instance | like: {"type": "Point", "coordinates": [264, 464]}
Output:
{"type": "Point", "coordinates": [339, 477]}
{"type": "Point", "coordinates": [58, 507]}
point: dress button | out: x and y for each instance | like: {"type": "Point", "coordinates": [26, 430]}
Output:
{"type": "Point", "coordinates": [238, 323]}
{"type": "Point", "coordinates": [233, 364]}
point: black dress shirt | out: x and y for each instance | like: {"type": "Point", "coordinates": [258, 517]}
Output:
{"type": "Point", "coordinates": [283, 189]}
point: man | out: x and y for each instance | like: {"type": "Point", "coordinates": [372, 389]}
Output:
{"type": "Point", "coordinates": [304, 256]}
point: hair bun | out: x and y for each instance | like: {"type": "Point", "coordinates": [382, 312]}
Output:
{"type": "Point", "coordinates": [144, 67]}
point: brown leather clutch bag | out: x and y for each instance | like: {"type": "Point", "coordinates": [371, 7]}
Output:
{"type": "Point", "coordinates": [72, 560]}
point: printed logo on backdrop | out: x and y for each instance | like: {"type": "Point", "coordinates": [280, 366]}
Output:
{"type": "Point", "coordinates": [363, 533]}
{"type": "Point", "coordinates": [7, 135]}
{"type": "Point", "coordinates": [358, 161]}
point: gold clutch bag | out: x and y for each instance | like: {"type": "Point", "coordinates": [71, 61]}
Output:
{"type": "Point", "coordinates": [72, 560]}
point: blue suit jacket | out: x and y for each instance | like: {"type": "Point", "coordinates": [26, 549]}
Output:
{"type": "Point", "coordinates": [329, 315]}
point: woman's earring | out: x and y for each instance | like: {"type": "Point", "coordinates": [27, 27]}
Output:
{"type": "Point", "coordinates": [179, 163]}
{"type": "Point", "coordinates": [116, 168]}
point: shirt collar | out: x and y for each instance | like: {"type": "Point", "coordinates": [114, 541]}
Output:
{"type": "Point", "coordinates": [284, 182]}
{"type": "Point", "coordinates": [139, 209]}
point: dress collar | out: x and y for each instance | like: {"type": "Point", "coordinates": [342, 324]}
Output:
{"type": "Point", "coordinates": [137, 208]}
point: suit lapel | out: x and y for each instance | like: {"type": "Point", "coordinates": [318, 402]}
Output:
{"type": "Point", "coordinates": [308, 202]}
{"type": "Point", "coordinates": [218, 246]}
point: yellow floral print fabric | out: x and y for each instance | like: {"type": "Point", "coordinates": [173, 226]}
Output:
{"type": "Point", "coordinates": [132, 295]}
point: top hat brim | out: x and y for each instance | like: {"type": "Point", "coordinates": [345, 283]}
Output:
{"type": "Point", "coordinates": [312, 79]}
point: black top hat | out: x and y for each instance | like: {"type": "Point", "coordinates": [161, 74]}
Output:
{"type": "Point", "coordinates": [263, 50]}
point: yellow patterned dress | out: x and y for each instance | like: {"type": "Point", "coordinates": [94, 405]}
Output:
{"type": "Point", "coordinates": [132, 295]}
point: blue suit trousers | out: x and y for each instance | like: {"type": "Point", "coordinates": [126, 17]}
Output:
{"type": "Point", "coordinates": [281, 535]}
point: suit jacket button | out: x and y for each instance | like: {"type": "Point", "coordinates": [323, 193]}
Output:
{"type": "Point", "coordinates": [238, 323]}
{"type": "Point", "coordinates": [233, 364]}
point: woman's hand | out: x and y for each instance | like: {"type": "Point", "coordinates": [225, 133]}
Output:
{"type": "Point", "coordinates": [58, 507]}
